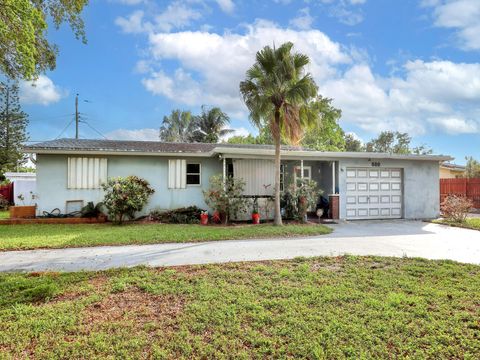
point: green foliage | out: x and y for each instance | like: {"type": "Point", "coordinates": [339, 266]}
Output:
{"type": "Point", "coordinates": [177, 127]}
{"type": "Point", "coordinates": [13, 127]}
{"type": "Point", "coordinates": [4, 205]}
{"type": "Point", "coordinates": [25, 51]}
{"type": "Point", "coordinates": [182, 126]}
{"type": "Point", "coordinates": [21, 237]}
{"type": "Point", "coordinates": [353, 144]}
{"type": "Point", "coordinates": [472, 169]}
{"type": "Point", "coordinates": [317, 308]}
{"type": "Point", "coordinates": [296, 200]}
{"type": "Point", "coordinates": [279, 94]}
{"type": "Point", "coordinates": [186, 215]}
{"type": "Point", "coordinates": [210, 125]}
{"type": "Point", "coordinates": [226, 197]}
{"type": "Point", "coordinates": [395, 143]}
{"type": "Point", "coordinates": [91, 210]}
{"type": "Point", "coordinates": [125, 196]}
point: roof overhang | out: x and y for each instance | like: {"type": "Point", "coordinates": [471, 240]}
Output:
{"type": "Point", "coordinates": [115, 153]}
{"type": "Point", "coordinates": [322, 155]}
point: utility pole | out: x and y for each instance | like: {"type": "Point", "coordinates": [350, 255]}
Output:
{"type": "Point", "coordinates": [76, 116]}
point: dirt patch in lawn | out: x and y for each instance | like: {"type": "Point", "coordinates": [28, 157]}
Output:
{"type": "Point", "coordinates": [136, 306]}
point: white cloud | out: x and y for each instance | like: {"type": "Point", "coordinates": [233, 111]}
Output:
{"type": "Point", "coordinates": [226, 5]}
{"type": "Point", "coordinates": [212, 65]}
{"type": "Point", "coordinates": [346, 11]}
{"type": "Point", "coordinates": [455, 125]}
{"type": "Point", "coordinates": [146, 134]}
{"type": "Point", "coordinates": [133, 23]}
{"type": "Point", "coordinates": [130, 2]}
{"type": "Point", "coordinates": [42, 91]}
{"type": "Point", "coordinates": [303, 21]}
{"type": "Point", "coordinates": [241, 131]}
{"type": "Point", "coordinates": [421, 96]}
{"type": "Point", "coordinates": [461, 15]}
{"type": "Point", "coordinates": [176, 15]}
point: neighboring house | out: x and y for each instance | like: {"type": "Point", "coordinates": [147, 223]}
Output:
{"type": "Point", "coordinates": [369, 185]}
{"type": "Point", "coordinates": [451, 171]}
{"type": "Point", "coordinates": [24, 186]}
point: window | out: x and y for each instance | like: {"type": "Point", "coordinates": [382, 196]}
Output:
{"type": "Point", "coordinates": [194, 174]}
{"type": "Point", "coordinates": [86, 173]}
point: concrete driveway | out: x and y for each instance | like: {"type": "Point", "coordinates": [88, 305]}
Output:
{"type": "Point", "coordinates": [385, 238]}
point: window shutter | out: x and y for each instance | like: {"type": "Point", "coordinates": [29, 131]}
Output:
{"type": "Point", "coordinates": [86, 173]}
{"type": "Point", "coordinates": [177, 174]}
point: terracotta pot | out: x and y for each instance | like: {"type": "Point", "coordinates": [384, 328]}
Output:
{"type": "Point", "coordinates": [23, 212]}
{"type": "Point", "coordinates": [256, 218]}
{"type": "Point", "coordinates": [204, 219]}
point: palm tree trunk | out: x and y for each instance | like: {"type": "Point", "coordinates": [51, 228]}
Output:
{"type": "Point", "coordinates": [278, 214]}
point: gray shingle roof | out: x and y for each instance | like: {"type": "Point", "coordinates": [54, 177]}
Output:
{"type": "Point", "coordinates": [140, 146]}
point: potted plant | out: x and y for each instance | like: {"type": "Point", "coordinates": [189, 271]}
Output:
{"type": "Point", "coordinates": [204, 218]}
{"type": "Point", "coordinates": [24, 211]}
{"type": "Point", "coordinates": [255, 214]}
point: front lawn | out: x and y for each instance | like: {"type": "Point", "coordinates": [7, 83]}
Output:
{"type": "Point", "coordinates": [4, 214]}
{"type": "Point", "coordinates": [470, 223]}
{"type": "Point", "coordinates": [14, 237]}
{"type": "Point", "coordinates": [332, 308]}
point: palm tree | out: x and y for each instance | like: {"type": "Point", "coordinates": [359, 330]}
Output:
{"type": "Point", "coordinates": [177, 127]}
{"type": "Point", "coordinates": [278, 93]}
{"type": "Point", "coordinates": [211, 125]}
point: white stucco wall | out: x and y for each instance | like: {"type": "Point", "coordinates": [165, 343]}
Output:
{"type": "Point", "coordinates": [52, 181]}
{"type": "Point", "coordinates": [421, 186]}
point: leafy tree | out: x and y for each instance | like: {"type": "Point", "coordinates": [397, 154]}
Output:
{"type": "Point", "coordinates": [177, 127]}
{"type": "Point", "coordinates": [353, 144]}
{"type": "Point", "coordinates": [472, 169]}
{"type": "Point", "coordinates": [241, 139]}
{"type": "Point", "coordinates": [124, 196]}
{"type": "Point", "coordinates": [13, 124]}
{"type": "Point", "coordinates": [210, 125]}
{"type": "Point", "coordinates": [226, 197]}
{"type": "Point", "coordinates": [278, 93]}
{"type": "Point", "coordinates": [25, 51]}
{"type": "Point", "coordinates": [395, 143]}
{"type": "Point", "coordinates": [327, 135]}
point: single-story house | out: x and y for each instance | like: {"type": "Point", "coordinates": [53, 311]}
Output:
{"type": "Point", "coordinates": [452, 171]}
{"type": "Point", "coordinates": [368, 185]}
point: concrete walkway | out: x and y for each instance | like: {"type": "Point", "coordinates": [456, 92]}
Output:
{"type": "Point", "coordinates": [385, 238]}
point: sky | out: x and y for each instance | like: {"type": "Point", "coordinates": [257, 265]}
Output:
{"type": "Point", "coordinates": [405, 65]}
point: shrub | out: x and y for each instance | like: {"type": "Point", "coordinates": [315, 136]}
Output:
{"type": "Point", "coordinates": [296, 200]}
{"type": "Point", "coordinates": [186, 215]}
{"type": "Point", "coordinates": [3, 203]}
{"type": "Point", "coordinates": [226, 197]}
{"type": "Point", "coordinates": [92, 211]}
{"type": "Point", "coordinates": [125, 196]}
{"type": "Point", "coordinates": [456, 208]}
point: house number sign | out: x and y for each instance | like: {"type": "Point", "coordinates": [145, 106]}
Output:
{"type": "Point", "coordinates": [376, 164]}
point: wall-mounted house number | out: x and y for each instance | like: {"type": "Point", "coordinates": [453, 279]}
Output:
{"type": "Point", "coordinates": [376, 164]}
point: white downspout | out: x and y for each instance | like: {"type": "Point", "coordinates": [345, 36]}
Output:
{"type": "Point", "coordinates": [301, 170]}
{"type": "Point", "coordinates": [333, 177]}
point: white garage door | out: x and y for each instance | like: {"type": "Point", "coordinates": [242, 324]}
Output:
{"type": "Point", "coordinates": [374, 193]}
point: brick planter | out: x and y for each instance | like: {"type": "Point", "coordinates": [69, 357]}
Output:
{"type": "Point", "coordinates": [22, 212]}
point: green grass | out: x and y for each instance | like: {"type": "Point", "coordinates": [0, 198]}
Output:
{"type": "Point", "coordinates": [320, 308]}
{"type": "Point", "coordinates": [4, 214]}
{"type": "Point", "coordinates": [14, 237]}
{"type": "Point", "coordinates": [470, 223]}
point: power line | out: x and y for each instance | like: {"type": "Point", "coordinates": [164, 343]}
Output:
{"type": "Point", "coordinates": [64, 129]}
{"type": "Point", "coordinates": [91, 127]}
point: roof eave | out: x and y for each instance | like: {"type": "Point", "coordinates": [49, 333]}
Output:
{"type": "Point", "coordinates": [115, 152]}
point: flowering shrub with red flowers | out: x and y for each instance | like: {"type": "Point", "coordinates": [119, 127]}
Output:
{"type": "Point", "coordinates": [456, 208]}
{"type": "Point", "coordinates": [124, 196]}
{"type": "Point", "coordinates": [226, 197]}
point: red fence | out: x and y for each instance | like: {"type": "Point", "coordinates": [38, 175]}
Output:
{"type": "Point", "coordinates": [461, 187]}
{"type": "Point", "coordinates": [7, 192]}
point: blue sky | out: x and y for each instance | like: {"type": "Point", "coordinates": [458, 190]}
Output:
{"type": "Point", "coordinates": [405, 65]}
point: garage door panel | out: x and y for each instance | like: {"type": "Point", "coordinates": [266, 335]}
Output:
{"type": "Point", "coordinates": [374, 193]}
